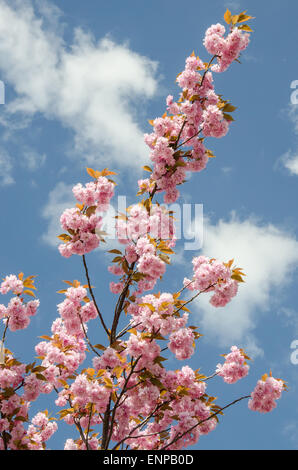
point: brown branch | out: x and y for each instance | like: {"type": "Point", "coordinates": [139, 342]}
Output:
{"type": "Point", "coordinates": [92, 295]}
{"type": "Point", "coordinates": [207, 68]}
{"type": "Point", "coordinates": [183, 143]}
{"type": "Point", "coordinates": [140, 425]}
{"type": "Point", "coordinates": [179, 135]}
{"type": "Point", "coordinates": [105, 425]}
{"type": "Point", "coordinates": [88, 427]}
{"type": "Point", "coordinates": [86, 336]}
{"type": "Point", "coordinates": [179, 436]}
{"type": "Point", "coordinates": [125, 330]}
{"type": "Point", "coordinates": [194, 297]}
{"type": "Point", "coordinates": [107, 440]}
{"type": "Point", "coordinates": [119, 306]}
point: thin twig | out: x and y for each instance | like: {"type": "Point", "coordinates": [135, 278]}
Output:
{"type": "Point", "coordinates": [179, 436]}
{"type": "Point", "coordinates": [86, 336]}
{"type": "Point", "coordinates": [194, 297]}
{"type": "Point", "coordinates": [93, 298]}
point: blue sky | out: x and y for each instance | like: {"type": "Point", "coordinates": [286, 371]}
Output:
{"type": "Point", "coordinates": [81, 81]}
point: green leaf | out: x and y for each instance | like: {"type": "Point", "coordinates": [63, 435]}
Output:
{"type": "Point", "coordinates": [91, 210]}
{"type": "Point", "coordinates": [41, 377]}
{"type": "Point", "coordinates": [164, 258]}
{"type": "Point", "coordinates": [228, 108]}
{"type": "Point", "coordinates": [237, 277]}
{"type": "Point", "coordinates": [245, 27]}
{"type": "Point", "coordinates": [156, 382]}
{"type": "Point", "coordinates": [228, 117]}
{"type": "Point", "coordinates": [242, 17]}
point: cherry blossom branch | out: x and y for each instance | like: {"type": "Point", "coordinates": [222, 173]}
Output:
{"type": "Point", "coordinates": [130, 325]}
{"type": "Point", "coordinates": [88, 427]}
{"type": "Point", "coordinates": [180, 132]}
{"type": "Point", "coordinates": [4, 332]}
{"type": "Point", "coordinates": [207, 68]}
{"type": "Point", "coordinates": [119, 306]}
{"type": "Point", "coordinates": [124, 389]}
{"type": "Point", "coordinates": [105, 425]}
{"type": "Point", "coordinates": [185, 287]}
{"type": "Point", "coordinates": [210, 376]}
{"type": "Point", "coordinates": [78, 426]}
{"type": "Point", "coordinates": [194, 297]}
{"type": "Point", "coordinates": [140, 425]}
{"type": "Point", "coordinates": [86, 336]}
{"type": "Point", "coordinates": [77, 423]}
{"type": "Point", "coordinates": [179, 436]}
{"type": "Point", "coordinates": [195, 135]}
{"type": "Point", "coordinates": [92, 295]}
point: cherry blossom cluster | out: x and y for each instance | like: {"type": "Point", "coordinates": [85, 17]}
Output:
{"type": "Point", "coordinates": [40, 431]}
{"type": "Point", "coordinates": [147, 388]}
{"type": "Point", "coordinates": [172, 160]}
{"type": "Point", "coordinates": [182, 343]}
{"type": "Point", "coordinates": [11, 283]}
{"type": "Point", "coordinates": [159, 313]}
{"type": "Point", "coordinates": [211, 275]}
{"type": "Point", "coordinates": [73, 313]}
{"type": "Point", "coordinates": [228, 48]}
{"type": "Point", "coordinates": [156, 313]}
{"type": "Point", "coordinates": [129, 393]}
{"type": "Point", "coordinates": [235, 366]}
{"type": "Point", "coordinates": [86, 391]}
{"type": "Point", "coordinates": [20, 384]}
{"type": "Point", "coordinates": [265, 394]}
{"type": "Point", "coordinates": [139, 232]}
{"type": "Point", "coordinates": [17, 313]}
{"type": "Point", "coordinates": [185, 392]}
{"type": "Point", "coordinates": [139, 222]}
{"type": "Point", "coordinates": [15, 435]}
{"type": "Point", "coordinates": [82, 222]}
{"type": "Point", "coordinates": [14, 414]}
{"type": "Point", "coordinates": [61, 355]}
{"type": "Point", "coordinates": [79, 444]}
{"type": "Point", "coordinates": [88, 395]}
{"type": "Point", "coordinates": [176, 147]}
{"type": "Point", "coordinates": [109, 359]}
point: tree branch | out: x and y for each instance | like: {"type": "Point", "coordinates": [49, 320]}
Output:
{"type": "Point", "coordinates": [92, 295]}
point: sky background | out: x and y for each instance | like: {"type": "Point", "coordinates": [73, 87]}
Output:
{"type": "Point", "coordinates": [81, 81]}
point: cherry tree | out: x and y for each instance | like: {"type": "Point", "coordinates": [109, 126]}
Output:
{"type": "Point", "coordinates": [128, 399]}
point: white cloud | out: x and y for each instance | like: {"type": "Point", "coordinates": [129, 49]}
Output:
{"type": "Point", "coordinates": [290, 162]}
{"type": "Point", "coordinates": [290, 318]}
{"type": "Point", "coordinates": [60, 198]}
{"type": "Point", "coordinates": [233, 5]}
{"type": "Point", "coordinates": [94, 87]}
{"type": "Point", "coordinates": [290, 159]}
{"type": "Point", "coordinates": [290, 430]}
{"type": "Point", "coordinates": [227, 170]}
{"type": "Point", "coordinates": [268, 255]}
{"type": "Point", "coordinates": [33, 160]}
{"type": "Point", "coordinates": [6, 177]}
{"type": "Point", "coordinates": [293, 115]}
